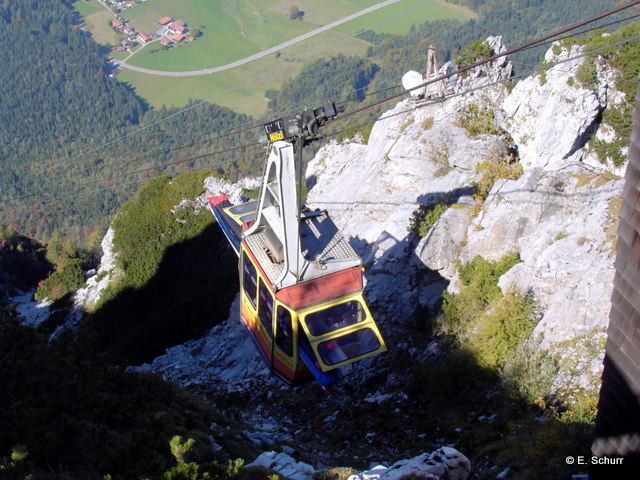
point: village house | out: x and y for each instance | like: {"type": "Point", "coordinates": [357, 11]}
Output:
{"type": "Point", "coordinates": [165, 21]}
{"type": "Point", "coordinates": [177, 27]}
{"type": "Point", "coordinates": [165, 41]}
{"type": "Point", "coordinates": [117, 24]}
{"type": "Point", "coordinates": [178, 37]}
{"type": "Point", "coordinates": [128, 29]}
{"type": "Point", "coordinates": [143, 38]}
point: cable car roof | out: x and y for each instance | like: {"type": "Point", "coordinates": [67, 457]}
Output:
{"type": "Point", "coordinates": [326, 250]}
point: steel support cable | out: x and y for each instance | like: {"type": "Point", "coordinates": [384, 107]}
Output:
{"type": "Point", "coordinates": [143, 170]}
{"type": "Point", "coordinates": [205, 138]}
{"type": "Point", "coordinates": [220, 152]}
{"type": "Point", "coordinates": [197, 141]}
{"type": "Point", "coordinates": [422, 105]}
{"type": "Point", "coordinates": [49, 169]}
{"type": "Point", "coordinates": [533, 44]}
{"type": "Point", "coordinates": [186, 109]}
{"type": "Point", "coordinates": [486, 85]}
{"type": "Point", "coordinates": [519, 48]}
{"type": "Point", "coordinates": [547, 42]}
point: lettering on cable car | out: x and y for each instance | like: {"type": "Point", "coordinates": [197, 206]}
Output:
{"type": "Point", "coordinates": [275, 130]}
{"type": "Point", "coordinates": [276, 136]}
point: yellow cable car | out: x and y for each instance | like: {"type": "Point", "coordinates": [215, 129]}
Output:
{"type": "Point", "coordinates": [300, 280]}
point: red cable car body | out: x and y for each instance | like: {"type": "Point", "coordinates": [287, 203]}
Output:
{"type": "Point", "coordinates": [301, 281]}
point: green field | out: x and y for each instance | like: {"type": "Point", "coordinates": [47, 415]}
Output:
{"type": "Point", "coordinates": [229, 33]}
{"type": "Point", "coordinates": [383, 21]}
{"type": "Point", "coordinates": [234, 29]}
{"type": "Point", "coordinates": [97, 20]}
{"type": "Point", "coordinates": [85, 8]}
{"type": "Point", "coordinates": [241, 89]}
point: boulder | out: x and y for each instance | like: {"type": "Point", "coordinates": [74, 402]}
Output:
{"type": "Point", "coordinates": [446, 463]}
{"type": "Point", "coordinates": [284, 464]}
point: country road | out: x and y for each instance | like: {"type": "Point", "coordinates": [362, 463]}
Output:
{"type": "Point", "coordinates": [237, 63]}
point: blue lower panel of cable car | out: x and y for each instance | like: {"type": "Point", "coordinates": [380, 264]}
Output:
{"type": "Point", "coordinates": [306, 354]}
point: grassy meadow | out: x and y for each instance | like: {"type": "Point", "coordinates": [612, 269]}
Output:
{"type": "Point", "coordinates": [97, 20]}
{"type": "Point", "coordinates": [242, 88]}
{"type": "Point", "coordinates": [232, 30]}
{"type": "Point", "coordinates": [419, 12]}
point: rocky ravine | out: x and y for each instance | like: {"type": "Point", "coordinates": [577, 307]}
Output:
{"type": "Point", "coordinates": [559, 216]}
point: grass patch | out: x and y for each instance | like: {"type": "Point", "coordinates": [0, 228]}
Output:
{"type": "Point", "coordinates": [87, 8]}
{"type": "Point", "coordinates": [334, 473]}
{"type": "Point", "coordinates": [242, 27]}
{"type": "Point", "coordinates": [401, 25]}
{"type": "Point", "coordinates": [360, 132]}
{"type": "Point", "coordinates": [99, 24]}
{"type": "Point", "coordinates": [477, 120]}
{"type": "Point", "coordinates": [241, 89]}
{"type": "Point", "coordinates": [625, 62]}
{"type": "Point", "coordinates": [479, 278]}
{"type": "Point", "coordinates": [223, 39]}
{"type": "Point", "coordinates": [613, 220]}
{"type": "Point", "coordinates": [427, 123]}
{"type": "Point", "coordinates": [425, 217]}
{"type": "Point", "coordinates": [496, 166]}
{"type": "Point", "coordinates": [439, 154]}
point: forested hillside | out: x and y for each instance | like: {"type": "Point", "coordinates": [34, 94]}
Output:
{"type": "Point", "coordinates": [75, 143]}
{"type": "Point", "coordinates": [65, 410]}
{"type": "Point", "coordinates": [178, 276]}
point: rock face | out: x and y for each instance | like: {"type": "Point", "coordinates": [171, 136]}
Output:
{"type": "Point", "coordinates": [551, 117]}
{"type": "Point", "coordinates": [85, 298]}
{"type": "Point", "coordinates": [371, 192]}
{"type": "Point", "coordinates": [558, 216]}
{"type": "Point", "coordinates": [284, 465]}
{"type": "Point", "coordinates": [563, 238]}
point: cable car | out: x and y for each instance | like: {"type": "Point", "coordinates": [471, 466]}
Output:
{"type": "Point", "coordinates": [301, 281]}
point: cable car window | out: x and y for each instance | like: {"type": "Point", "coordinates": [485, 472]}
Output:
{"type": "Point", "coordinates": [284, 331]}
{"type": "Point", "coordinates": [335, 317]}
{"type": "Point", "coordinates": [265, 309]}
{"type": "Point", "coordinates": [243, 208]}
{"type": "Point", "coordinates": [249, 279]}
{"type": "Point", "coordinates": [348, 346]}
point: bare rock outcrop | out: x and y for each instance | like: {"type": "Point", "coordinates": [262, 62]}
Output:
{"type": "Point", "coordinates": [558, 216]}
{"type": "Point", "coordinates": [446, 463]}
{"type": "Point", "coordinates": [550, 115]}
{"type": "Point", "coordinates": [86, 298]}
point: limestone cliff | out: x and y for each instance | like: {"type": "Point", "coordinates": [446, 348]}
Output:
{"type": "Point", "coordinates": [559, 215]}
